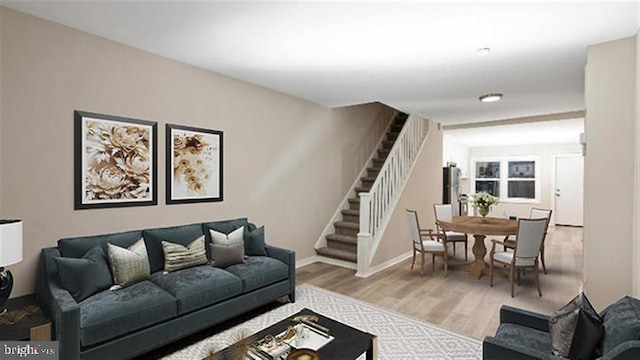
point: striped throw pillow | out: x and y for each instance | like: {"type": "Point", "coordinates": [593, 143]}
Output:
{"type": "Point", "coordinates": [178, 256]}
{"type": "Point", "coordinates": [129, 265]}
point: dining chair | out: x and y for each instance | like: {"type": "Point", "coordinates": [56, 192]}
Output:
{"type": "Point", "coordinates": [423, 247]}
{"type": "Point", "coordinates": [444, 212]}
{"type": "Point", "coordinates": [536, 213]}
{"type": "Point", "coordinates": [524, 253]}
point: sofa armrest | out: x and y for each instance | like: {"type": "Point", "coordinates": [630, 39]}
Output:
{"type": "Point", "coordinates": [288, 257]}
{"type": "Point", "coordinates": [628, 350]}
{"type": "Point", "coordinates": [498, 349]}
{"type": "Point", "coordinates": [526, 318]}
{"type": "Point", "coordinates": [58, 304]}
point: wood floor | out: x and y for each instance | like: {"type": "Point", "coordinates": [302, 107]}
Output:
{"type": "Point", "coordinates": [458, 302]}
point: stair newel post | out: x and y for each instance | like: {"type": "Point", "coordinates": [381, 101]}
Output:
{"type": "Point", "coordinates": [364, 234]}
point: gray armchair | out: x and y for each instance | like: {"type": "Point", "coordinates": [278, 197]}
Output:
{"type": "Point", "coordinates": [524, 335]}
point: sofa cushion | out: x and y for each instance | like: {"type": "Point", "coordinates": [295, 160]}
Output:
{"type": "Point", "coordinates": [224, 226]}
{"type": "Point", "coordinates": [182, 235]}
{"type": "Point", "coordinates": [519, 336]}
{"type": "Point", "coordinates": [76, 247]}
{"type": "Point", "coordinates": [178, 256]}
{"type": "Point", "coordinates": [259, 271]}
{"type": "Point", "coordinates": [129, 265]}
{"type": "Point", "coordinates": [198, 286]}
{"type": "Point", "coordinates": [86, 276]}
{"type": "Point", "coordinates": [110, 314]}
{"type": "Point", "coordinates": [254, 244]}
{"type": "Point", "coordinates": [621, 323]}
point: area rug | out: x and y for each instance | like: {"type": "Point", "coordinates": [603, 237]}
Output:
{"type": "Point", "coordinates": [399, 336]}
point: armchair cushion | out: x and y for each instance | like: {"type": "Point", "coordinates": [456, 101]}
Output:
{"type": "Point", "coordinates": [430, 245]}
{"type": "Point", "coordinates": [521, 336]}
{"type": "Point", "coordinates": [507, 256]}
{"type": "Point", "coordinates": [621, 322]}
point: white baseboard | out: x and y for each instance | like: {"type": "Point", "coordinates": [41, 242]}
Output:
{"type": "Point", "coordinates": [326, 260]}
{"type": "Point", "coordinates": [385, 265]}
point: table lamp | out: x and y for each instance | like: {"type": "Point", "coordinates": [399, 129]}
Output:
{"type": "Point", "coordinates": [10, 253]}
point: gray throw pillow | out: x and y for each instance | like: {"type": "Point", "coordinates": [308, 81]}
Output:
{"type": "Point", "coordinates": [85, 276]}
{"type": "Point", "coordinates": [575, 329]}
{"type": "Point", "coordinates": [227, 255]}
{"type": "Point", "coordinates": [178, 256]}
{"type": "Point", "coordinates": [254, 244]}
{"type": "Point", "coordinates": [130, 265]}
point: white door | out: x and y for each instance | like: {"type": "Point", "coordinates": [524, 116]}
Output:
{"type": "Point", "coordinates": [569, 191]}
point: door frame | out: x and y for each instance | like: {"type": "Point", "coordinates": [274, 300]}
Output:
{"type": "Point", "coordinates": [555, 184]}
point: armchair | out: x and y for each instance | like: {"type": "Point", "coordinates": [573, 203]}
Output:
{"type": "Point", "coordinates": [524, 335]}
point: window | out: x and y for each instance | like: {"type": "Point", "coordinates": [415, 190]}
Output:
{"type": "Point", "coordinates": [510, 179]}
{"type": "Point", "coordinates": [488, 177]}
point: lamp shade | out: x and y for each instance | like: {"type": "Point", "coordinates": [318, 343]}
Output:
{"type": "Point", "coordinates": [10, 242]}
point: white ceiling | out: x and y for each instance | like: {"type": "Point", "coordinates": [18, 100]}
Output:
{"type": "Point", "coordinates": [416, 56]}
{"type": "Point", "coordinates": [545, 132]}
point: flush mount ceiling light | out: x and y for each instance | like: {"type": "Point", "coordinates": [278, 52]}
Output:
{"type": "Point", "coordinates": [483, 51]}
{"type": "Point", "coordinates": [490, 97]}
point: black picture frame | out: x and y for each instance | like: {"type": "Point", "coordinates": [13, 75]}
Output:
{"type": "Point", "coordinates": [115, 161]}
{"type": "Point", "coordinates": [194, 164]}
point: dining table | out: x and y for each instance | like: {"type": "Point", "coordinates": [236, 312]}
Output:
{"type": "Point", "coordinates": [480, 227]}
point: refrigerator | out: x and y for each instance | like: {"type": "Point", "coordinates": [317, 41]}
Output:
{"type": "Point", "coordinates": [451, 187]}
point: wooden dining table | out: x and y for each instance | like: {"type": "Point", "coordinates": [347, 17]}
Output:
{"type": "Point", "coordinates": [480, 227]}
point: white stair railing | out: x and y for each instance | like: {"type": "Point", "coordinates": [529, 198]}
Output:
{"type": "Point", "coordinates": [377, 205]}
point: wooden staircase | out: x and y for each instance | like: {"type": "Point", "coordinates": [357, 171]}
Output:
{"type": "Point", "coordinates": [343, 244]}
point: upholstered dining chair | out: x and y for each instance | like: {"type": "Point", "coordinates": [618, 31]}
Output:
{"type": "Point", "coordinates": [525, 252]}
{"type": "Point", "coordinates": [444, 212]}
{"type": "Point", "coordinates": [536, 213]}
{"type": "Point", "coordinates": [423, 247]}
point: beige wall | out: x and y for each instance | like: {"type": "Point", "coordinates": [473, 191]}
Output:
{"type": "Point", "coordinates": [423, 189]}
{"type": "Point", "coordinates": [610, 163]}
{"type": "Point", "coordinates": [287, 162]}
{"type": "Point", "coordinates": [1, 82]}
{"type": "Point", "coordinates": [636, 182]}
{"type": "Point", "coordinates": [545, 153]}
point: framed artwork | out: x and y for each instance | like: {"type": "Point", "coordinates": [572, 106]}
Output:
{"type": "Point", "coordinates": [115, 161]}
{"type": "Point", "coordinates": [194, 164]}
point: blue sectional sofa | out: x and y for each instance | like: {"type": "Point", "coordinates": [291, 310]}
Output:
{"type": "Point", "coordinates": [151, 313]}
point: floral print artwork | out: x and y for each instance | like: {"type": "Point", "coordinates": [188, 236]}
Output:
{"type": "Point", "coordinates": [196, 168]}
{"type": "Point", "coordinates": [117, 161]}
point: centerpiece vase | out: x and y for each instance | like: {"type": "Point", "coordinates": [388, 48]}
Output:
{"type": "Point", "coordinates": [484, 211]}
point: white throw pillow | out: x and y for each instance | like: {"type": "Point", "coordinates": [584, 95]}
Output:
{"type": "Point", "coordinates": [234, 237]}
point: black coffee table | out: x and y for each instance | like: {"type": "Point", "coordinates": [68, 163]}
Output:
{"type": "Point", "coordinates": [349, 342]}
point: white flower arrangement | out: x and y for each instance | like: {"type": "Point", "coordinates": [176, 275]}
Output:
{"type": "Point", "coordinates": [483, 201]}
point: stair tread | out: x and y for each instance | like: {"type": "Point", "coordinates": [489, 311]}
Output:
{"type": "Point", "coordinates": [354, 200]}
{"type": "Point", "coordinates": [347, 224]}
{"type": "Point", "coordinates": [360, 189]}
{"type": "Point", "coordinates": [343, 238]}
{"type": "Point", "coordinates": [351, 212]}
{"type": "Point", "coordinates": [338, 254]}
{"type": "Point", "coordinates": [368, 178]}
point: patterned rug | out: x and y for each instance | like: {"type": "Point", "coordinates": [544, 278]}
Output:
{"type": "Point", "coordinates": [399, 336]}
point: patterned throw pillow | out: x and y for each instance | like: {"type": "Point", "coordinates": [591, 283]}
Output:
{"type": "Point", "coordinates": [130, 265]}
{"type": "Point", "coordinates": [234, 237]}
{"type": "Point", "coordinates": [178, 256]}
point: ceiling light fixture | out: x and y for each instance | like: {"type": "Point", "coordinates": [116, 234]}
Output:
{"type": "Point", "coordinates": [490, 97]}
{"type": "Point", "coordinates": [483, 51]}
